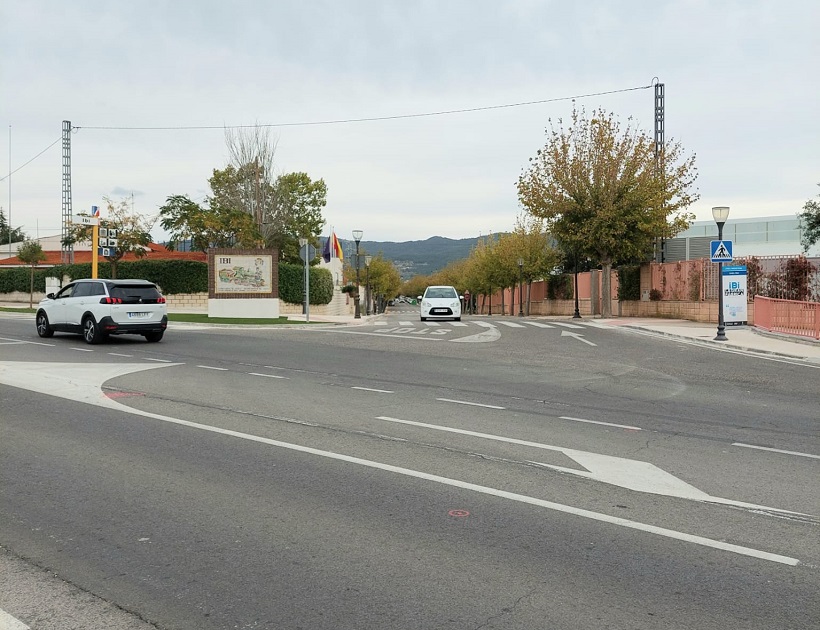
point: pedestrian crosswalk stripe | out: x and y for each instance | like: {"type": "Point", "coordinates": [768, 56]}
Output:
{"type": "Point", "coordinates": [485, 324]}
{"type": "Point", "coordinates": [432, 324]}
{"type": "Point", "coordinates": [540, 325]}
{"type": "Point", "coordinates": [511, 324]}
{"type": "Point", "coordinates": [405, 323]}
{"type": "Point", "coordinates": [566, 325]}
{"type": "Point", "coordinates": [458, 324]}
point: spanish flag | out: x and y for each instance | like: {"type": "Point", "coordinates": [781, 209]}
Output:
{"type": "Point", "coordinates": [332, 248]}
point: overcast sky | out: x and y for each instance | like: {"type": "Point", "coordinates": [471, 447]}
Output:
{"type": "Point", "coordinates": [741, 85]}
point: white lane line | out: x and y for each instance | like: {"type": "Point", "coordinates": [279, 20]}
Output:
{"type": "Point", "coordinates": [775, 450]}
{"type": "Point", "coordinates": [370, 389]}
{"type": "Point", "coordinates": [82, 349]}
{"type": "Point", "coordinates": [7, 622]}
{"type": "Point", "coordinates": [566, 325]}
{"type": "Point", "coordinates": [540, 325]}
{"type": "Point", "coordinates": [512, 496]}
{"type": "Point", "coordinates": [606, 424]}
{"type": "Point", "coordinates": [512, 324]}
{"type": "Point", "coordinates": [472, 404]}
{"type": "Point", "coordinates": [266, 375]}
{"type": "Point", "coordinates": [86, 380]}
{"type": "Point", "coordinates": [117, 354]}
{"type": "Point", "coordinates": [157, 360]}
{"type": "Point", "coordinates": [210, 367]}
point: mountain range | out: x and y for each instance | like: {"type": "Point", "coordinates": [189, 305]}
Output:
{"type": "Point", "coordinates": [413, 258]}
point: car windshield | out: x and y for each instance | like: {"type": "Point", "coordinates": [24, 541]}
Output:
{"type": "Point", "coordinates": [441, 292]}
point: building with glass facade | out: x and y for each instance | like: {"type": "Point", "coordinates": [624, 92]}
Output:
{"type": "Point", "coordinates": [764, 236]}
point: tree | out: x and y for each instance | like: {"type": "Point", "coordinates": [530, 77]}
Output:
{"type": "Point", "coordinates": [298, 202]}
{"type": "Point", "coordinates": [385, 279]}
{"type": "Point", "coordinates": [9, 234]}
{"type": "Point", "coordinates": [602, 191]}
{"type": "Point", "coordinates": [218, 226]}
{"type": "Point", "coordinates": [31, 253]}
{"type": "Point", "coordinates": [133, 231]}
{"type": "Point", "coordinates": [810, 224]}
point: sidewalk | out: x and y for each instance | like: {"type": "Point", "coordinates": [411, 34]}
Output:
{"type": "Point", "coordinates": [746, 338]}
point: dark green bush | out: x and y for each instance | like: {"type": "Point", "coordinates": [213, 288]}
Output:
{"type": "Point", "coordinates": [290, 284]}
{"type": "Point", "coordinates": [173, 277]}
{"type": "Point", "coordinates": [629, 282]}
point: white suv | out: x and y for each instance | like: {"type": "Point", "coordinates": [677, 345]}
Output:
{"type": "Point", "coordinates": [98, 308]}
{"type": "Point", "coordinates": [440, 302]}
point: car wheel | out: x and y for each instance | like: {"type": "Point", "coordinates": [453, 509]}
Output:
{"type": "Point", "coordinates": [458, 319]}
{"type": "Point", "coordinates": [424, 319]}
{"type": "Point", "coordinates": [154, 336]}
{"type": "Point", "coordinates": [91, 330]}
{"type": "Point", "coordinates": [44, 329]}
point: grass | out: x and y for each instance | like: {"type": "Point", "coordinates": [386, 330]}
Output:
{"type": "Point", "coordinates": [196, 318]}
{"type": "Point", "coordinates": [201, 318]}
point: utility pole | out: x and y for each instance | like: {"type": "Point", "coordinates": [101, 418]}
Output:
{"type": "Point", "coordinates": [67, 248]}
{"type": "Point", "coordinates": [660, 105]}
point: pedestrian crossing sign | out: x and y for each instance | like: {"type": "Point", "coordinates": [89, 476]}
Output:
{"type": "Point", "coordinates": [720, 251]}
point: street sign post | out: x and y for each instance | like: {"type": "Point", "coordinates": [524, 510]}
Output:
{"type": "Point", "coordinates": [79, 219]}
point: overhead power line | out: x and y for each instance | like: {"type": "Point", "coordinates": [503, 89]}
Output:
{"type": "Point", "coordinates": [24, 164]}
{"type": "Point", "coordinates": [374, 118]}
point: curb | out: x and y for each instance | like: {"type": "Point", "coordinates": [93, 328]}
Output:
{"type": "Point", "coordinates": [722, 344]}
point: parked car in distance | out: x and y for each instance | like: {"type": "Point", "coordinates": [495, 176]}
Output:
{"type": "Point", "coordinates": [440, 302]}
{"type": "Point", "coordinates": [98, 308]}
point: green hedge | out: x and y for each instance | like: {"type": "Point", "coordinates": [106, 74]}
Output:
{"type": "Point", "coordinates": [173, 276]}
{"type": "Point", "coordinates": [629, 282]}
{"type": "Point", "coordinates": [290, 284]}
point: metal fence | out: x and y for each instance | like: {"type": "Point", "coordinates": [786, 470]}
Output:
{"type": "Point", "coordinates": [780, 277]}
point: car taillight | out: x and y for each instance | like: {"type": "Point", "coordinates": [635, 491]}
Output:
{"type": "Point", "coordinates": [161, 299]}
{"type": "Point", "coordinates": [110, 300]}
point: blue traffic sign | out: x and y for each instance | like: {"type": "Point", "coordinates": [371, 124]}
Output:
{"type": "Point", "coordinates": [720, 251]}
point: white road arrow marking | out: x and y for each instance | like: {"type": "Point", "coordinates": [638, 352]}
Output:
{"type": "Point", "coordinates": [578, 336]}
{"type": "Point", "coordinates": [82, 382]}
{"type": "Point", "coordinates": [617, 471]}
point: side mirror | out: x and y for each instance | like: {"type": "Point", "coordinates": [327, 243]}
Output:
{"type": "Point", "coordinates": [50, 296]}
{"type": "Point", "coordinates": [418, 298]}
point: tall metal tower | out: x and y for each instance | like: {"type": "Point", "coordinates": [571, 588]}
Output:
{"type": "Point", "coordinates": [67, 249]}
{"type": "Point", "coordinates": [660, 101]}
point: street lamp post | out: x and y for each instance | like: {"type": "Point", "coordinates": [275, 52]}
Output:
{"type": "Point", "coordinates": [521, 287]}
{"type": "Point", "coordinates": [303, 250]}
{"type": "Point", "coordinates": [720, 214]}
{"type": "Point", "coordinates": [357, 236]}
{"type": "Point", "coordinates": [367, 260]}
{"type": "Point", "coordinates": [577, 314]}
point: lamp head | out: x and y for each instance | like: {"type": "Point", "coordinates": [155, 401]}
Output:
{"type": "Point", "coordinates": [720, 214]}
{"type": "Point", "coordinates": [367, 260]}
{"type": "Point", "coordinates": [520, 262]}
{"type": "Point", "coordinates": [302, 241]}
{"type": "Point", "coordinates": [357, 235]}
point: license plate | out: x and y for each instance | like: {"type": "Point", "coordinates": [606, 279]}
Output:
{"type": "Point", "coordinates": [139, 315]}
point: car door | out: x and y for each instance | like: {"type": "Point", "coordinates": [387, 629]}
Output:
{"type": "Point", "coordinates": [75, 305]}
{"type": "Point", "coordinates": [57, 311]}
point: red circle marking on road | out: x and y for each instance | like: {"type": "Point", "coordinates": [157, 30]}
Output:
{"type": "Point", "coordinates": [458, 513]}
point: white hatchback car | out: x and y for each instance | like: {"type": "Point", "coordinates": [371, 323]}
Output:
{"type": "Point", "coordinates": [440, 302]}
{"type": "Point", "coordinates": [98, 308]}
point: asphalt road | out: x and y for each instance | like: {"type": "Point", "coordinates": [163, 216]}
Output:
{"type": "Point", "coordinates": [396, 474]}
